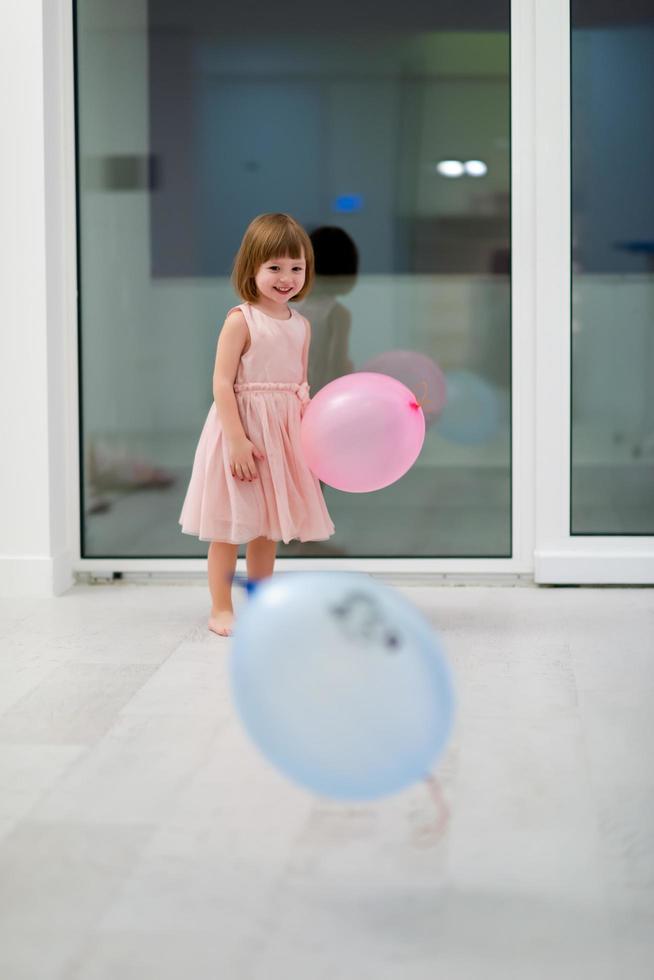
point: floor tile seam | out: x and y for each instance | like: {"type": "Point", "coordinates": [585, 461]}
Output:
{"type": "Point", "coordinates": [71, 661]}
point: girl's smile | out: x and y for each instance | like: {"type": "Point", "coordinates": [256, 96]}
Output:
{"type": "Point", "coordinates": [278, 280]}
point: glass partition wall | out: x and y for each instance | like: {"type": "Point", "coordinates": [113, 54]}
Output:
{"type": "Point", "coordinates": [391, 127]}
{"type": "Point", "coordinates": [612, 102]}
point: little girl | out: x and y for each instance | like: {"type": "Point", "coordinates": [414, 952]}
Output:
{"type": "Point", "coordinates": [250, 483]}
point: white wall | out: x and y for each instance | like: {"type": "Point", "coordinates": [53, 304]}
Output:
{"type": "Point", "coordinates": [34, 516]}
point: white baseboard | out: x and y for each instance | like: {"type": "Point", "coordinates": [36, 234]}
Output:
{"type": "Point", "coordinates": [35, 576]}
{"type": "Point", "coordinates": [563, 568]}
{"type": "Point", "coordinates": [30, 575]}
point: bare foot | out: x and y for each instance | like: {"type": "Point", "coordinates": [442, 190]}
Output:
{"type": "Point", "coordinates": [221, 622]}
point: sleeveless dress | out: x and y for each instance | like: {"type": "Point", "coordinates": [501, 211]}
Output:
{"type": "Point", "coordinates": [286, 500]}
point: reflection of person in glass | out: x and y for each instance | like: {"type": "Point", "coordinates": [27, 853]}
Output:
{"type": "Point", "coordinates": [337, 263]}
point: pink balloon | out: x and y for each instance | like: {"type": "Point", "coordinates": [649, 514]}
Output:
{"type": "Point", "coordinates": [419, 373]}
{"type": "Point", "coordinates": [362, 432]}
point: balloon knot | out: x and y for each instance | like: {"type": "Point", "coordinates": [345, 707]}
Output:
{"type": "Point", "coordinates": [249, 584]}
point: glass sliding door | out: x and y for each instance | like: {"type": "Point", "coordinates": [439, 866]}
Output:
{"type": "Point", "coordinates": [593, 152]}
{"type": "Point", "coordinates": [385, 130]}
{"type": "Point", "coordinates": [612, 479]}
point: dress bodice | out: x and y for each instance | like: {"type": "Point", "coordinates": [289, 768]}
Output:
{"type": "Point", "coordinates": [276, 348]}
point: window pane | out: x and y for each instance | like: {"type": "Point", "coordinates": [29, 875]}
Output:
{"type": "Point", "coordinates": [391, 126]}
{"type": "Point", "coordinates": [613, 268]}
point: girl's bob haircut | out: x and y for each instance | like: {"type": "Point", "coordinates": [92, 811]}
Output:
{"type": "Point", "coordinates": [271, 236]}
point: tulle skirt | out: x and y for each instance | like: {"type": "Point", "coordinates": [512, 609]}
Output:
{"type": "Point", "coordinates": [284, 503]}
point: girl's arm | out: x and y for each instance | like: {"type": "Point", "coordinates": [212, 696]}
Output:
{"type": "Point", "coordinates": [232, 343]}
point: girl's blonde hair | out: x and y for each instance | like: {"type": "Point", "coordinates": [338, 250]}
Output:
{"type": "Point", "coordinates": [271, 236]}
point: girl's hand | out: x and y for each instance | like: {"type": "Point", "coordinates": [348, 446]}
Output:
{"type": "Point", "coordinates": [242, 455]}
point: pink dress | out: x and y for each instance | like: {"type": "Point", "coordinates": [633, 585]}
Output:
{"type": "Point", "coordinates": [286, 501]}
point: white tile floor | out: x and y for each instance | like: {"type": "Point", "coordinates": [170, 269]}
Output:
{"type": "Point", "coordinates": [141, 836]}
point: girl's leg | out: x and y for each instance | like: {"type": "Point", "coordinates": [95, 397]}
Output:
{"type": "Point", "coordinates": [222, 564]}
{"type": "Point", "coordinates": [260, 558]}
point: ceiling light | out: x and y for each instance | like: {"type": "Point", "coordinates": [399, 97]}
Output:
{"type": "Point", "coordinates": [475, 168]}
{"type": "Point", "coordinates": [450, 168]}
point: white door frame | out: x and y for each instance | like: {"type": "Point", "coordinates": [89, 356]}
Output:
{"type": "Point", "coordinates": [560, 557]}
{"type": "Point", "coordinates": [540, 299]}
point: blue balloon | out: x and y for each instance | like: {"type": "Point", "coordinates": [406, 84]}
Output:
{"type": "Point", "coordinates": [341, 683]}
{"type": "Point", "coordinates": [472, 411]}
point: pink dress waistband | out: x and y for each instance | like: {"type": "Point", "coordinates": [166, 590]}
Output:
{"type": "Point", "coordinates": [301, 390]}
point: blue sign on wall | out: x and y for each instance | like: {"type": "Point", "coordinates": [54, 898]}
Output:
{"type": "Point", "coordinates": [348, 203]}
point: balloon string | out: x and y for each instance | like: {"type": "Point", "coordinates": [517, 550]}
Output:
{"type": "Point", "coordinates": [431, 833]}
{"type": "Point", "coordinates": [423, 401]}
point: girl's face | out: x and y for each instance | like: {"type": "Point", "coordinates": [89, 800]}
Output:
{"type": "Point", "coordinates": [281, 278]}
